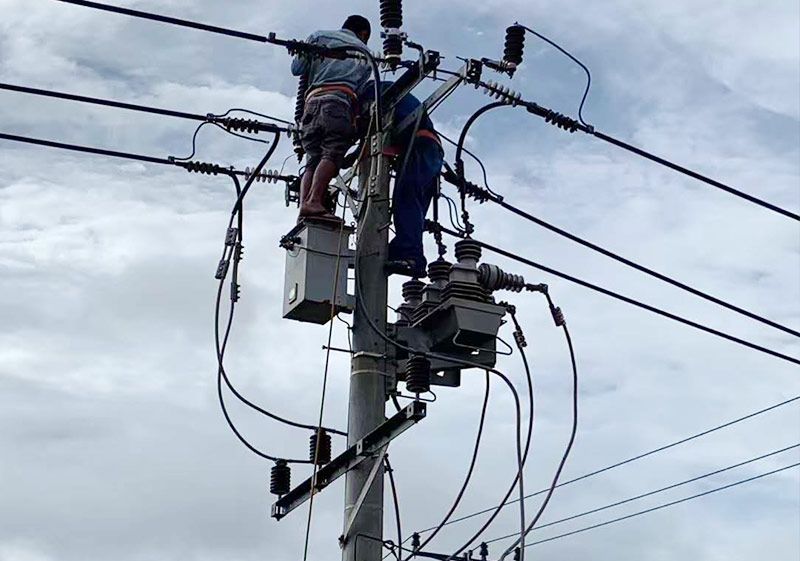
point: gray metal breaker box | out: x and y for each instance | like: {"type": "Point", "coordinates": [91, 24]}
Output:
{"type": "Point", "coordinates": [311, 263]}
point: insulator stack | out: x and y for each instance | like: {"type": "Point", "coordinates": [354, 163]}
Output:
{"type": "Point", "coordinates": [250, 126]}
{"type": "Point", "coordinates": [560, 120]}
{"type": "Point", "coordinates": [320, 453]}
{"type": "Point", "coordinates": [300, 102]}
{"type": "Point", "coordinates": [280, 482]}
{"type": "Point", "coordinates": [468, 251]}
{"type": "Point", "coordinates": [498, 91]}
{"type": "Point", "coordinates": [269, 176]}
{"type": "Point", "coordinates": [412, 292]}
{"type": "Point", "coordinates": [418, 374]}
{"type": "Point", "coordinates": [439, 271]}
{"type": "Point", "coordinates": [299, 109]}
{"type": "Point", "coordinates": [514, 47]}
{"type": "Point", "coordinates": [204, 168]}
{"type": "Point", "coordinates": [463, 281]}
{"type": "Point", "coordinates": [392, 21]}
{"type": "Point", "coordinates": [412, 297]}
{"type": "Point", "coordinates": [493, 278]}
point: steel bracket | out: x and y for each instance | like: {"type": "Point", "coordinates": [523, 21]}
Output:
{"type": "Point", "coordinates": [365, 448]}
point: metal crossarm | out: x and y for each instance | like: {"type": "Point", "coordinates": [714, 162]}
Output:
{"type": "Point", "coordinates": [365, 448]}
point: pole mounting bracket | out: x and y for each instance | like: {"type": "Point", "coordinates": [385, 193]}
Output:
{"type": "Point", "coordinates": [363, 449]}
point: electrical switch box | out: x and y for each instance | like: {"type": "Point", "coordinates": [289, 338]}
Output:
{"type": "Point", "coordinates": [315, 249]}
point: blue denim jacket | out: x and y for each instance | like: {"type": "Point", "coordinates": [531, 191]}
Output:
{"type": "Point", "coordinates": [329, 71]}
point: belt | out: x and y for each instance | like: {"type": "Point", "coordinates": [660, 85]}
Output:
{"type": "Point", "coordinates": [429, 134]}
{"type": "Point", "coordinates": [322, 90]}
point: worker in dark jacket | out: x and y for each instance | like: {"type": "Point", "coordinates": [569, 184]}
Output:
{"type": "Point", "coordinates": [418, 162]}
{"type": "Point", "coordinates": [327, 128]}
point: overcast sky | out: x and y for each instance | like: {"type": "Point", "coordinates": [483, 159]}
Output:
{"type": "Point", "coordinates": [111, 442]}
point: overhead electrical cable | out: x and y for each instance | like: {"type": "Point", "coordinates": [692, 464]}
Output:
{"type": "Point", "coordinates": [647, 454]}
{"type": "Point", "coordinates": [654, 492]}
{"type": "Point", "coordinates": [470, 470]}
{"type": "Point", "coordinates": [628, 300]}
{"type": "Point", "coordinates": [230, 252]}
{"type": "Point", "coordinates": [571, 125]}
{"type": "Point", "coordinates": [625, 261]}
{"type": "Point", "coordinates": [558, 317]}
{"type": "Point", "coordinates": [666, 505]}
{"type": "Point", "coordinates": [265, 127]}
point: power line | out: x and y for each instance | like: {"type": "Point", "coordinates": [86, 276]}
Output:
{"type": "Point", "coordinates": [571, 125]}
{"type": "Point", "coordinates": [644, 454]}
{"type": "Point", "coordinates": [169, 20]}
{"type": "Point", "coordinates": [666, 505]}
{"type": "Point", "coordinates": [223, 119]}
{"type": "Point", "coordinates": [657, 491]}
{"type": "Point", "coordinates": [625, 261]}
{"type": "Point", "coordinates": [626, 299]}
{"type": "Point", "coordinates": [190, 166]}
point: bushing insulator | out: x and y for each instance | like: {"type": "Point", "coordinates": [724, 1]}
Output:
{"type": "Point", "coordinates": [392, 47]}
{"type": "Point", "coordinates": [494, 278]}
{"type": "Point", "coordinates": [439, 270]}
{"type": "Point", "coordinates": [280, 482]}
{"type": "Point", "coordinates": [515, 44]}
{"type": "Point", "coordinates": [418, 374]}
{"type": "Point", "coordinates": [320, 454]}
{"type": "Point", "coordinates": [468, 250]}
{"type": "Point", "coordinates": [300, 101]}
{"type": "Point", "coordinates": [412, 291]}
{"type": "Point", "coordinates": [391, 14]}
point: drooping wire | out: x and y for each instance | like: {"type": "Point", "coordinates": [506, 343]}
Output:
{"type": "Point", "coordinates": [470, 470]}
{"type": "Point", "coordinates": [477, 160]}
{"type": "Point", "coordinates": [647, 454]}
{"type": "Point", "coordinates": [395, 501]}
{"type": "Point", "coordinates": [655, 492]}
{"type": "Point", "coordinates": [666, 505]}
{"type": "Point", "coordinates": [576, 61]}
{"type": "Point", "coordinates": [559, 319]}
{"type": "Point", "coordinates": [521, 459]}
{"type": "Point", "coordinates": [641, 268]}
{"type": "Point", "coordinates": [628, 300]}
{"type": "Point", "coordinates": [229, 251]}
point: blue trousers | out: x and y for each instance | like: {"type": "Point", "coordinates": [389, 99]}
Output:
{"type": "Point", "coordinates": [413, 193]}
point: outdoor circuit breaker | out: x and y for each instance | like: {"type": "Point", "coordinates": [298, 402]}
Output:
{"type": "Point", "coordinates": [453, 316]}
{"type": "Point", "coordinates": [314, 251]}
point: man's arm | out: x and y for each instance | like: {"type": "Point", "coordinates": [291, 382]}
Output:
{"type": "Point", "coordinates": [300, 63]}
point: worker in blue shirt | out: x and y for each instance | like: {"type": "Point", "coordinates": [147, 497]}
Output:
{"type": "Point", "coordinates": [327, 128]}
{"type": "Point", "coordinates": [418, 163]}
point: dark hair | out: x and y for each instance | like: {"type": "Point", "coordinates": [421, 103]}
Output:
{"type": "Point", "coordinates": [357, 24]}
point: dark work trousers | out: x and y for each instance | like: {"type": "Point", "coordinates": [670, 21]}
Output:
{"type": "Point", "coordinates": [413, 191]}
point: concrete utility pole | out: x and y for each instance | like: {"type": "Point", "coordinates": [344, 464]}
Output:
{"type": "Point", "coordinates": [363, 511]}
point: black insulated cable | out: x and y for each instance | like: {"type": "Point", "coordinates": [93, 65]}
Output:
{"type": "Point", "coordinates": [468, 477]}
{"type": "Point", "coordinates": [656, 491]}
{"type": "Point", "coordinates": [667, 505]}
{"type": "Point", "coordinates": [488, 196]}
{"type": "Point", "coordinates": [627, 300]}
{"type": "Point", "coordinates": [169, 20]}
{"type": "Point", "coordinates": [647, 454]}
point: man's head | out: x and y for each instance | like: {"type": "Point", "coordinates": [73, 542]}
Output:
{"type": "Point", "coordinates": [360, 26]}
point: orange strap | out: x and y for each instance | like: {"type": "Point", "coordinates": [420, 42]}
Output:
{"type": "Point", "coordinates": [429, 134]}
{"type": "Point", "coordinates": [333, 89]}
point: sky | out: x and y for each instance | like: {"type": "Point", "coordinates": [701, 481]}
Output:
{"type": "Point", "coordinates": [112, 445]}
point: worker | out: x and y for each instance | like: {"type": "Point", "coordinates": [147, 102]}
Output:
{"type": "Point", "coordinates": [328, 128]}
{"type": "Point", "coordinates": [418, 162]}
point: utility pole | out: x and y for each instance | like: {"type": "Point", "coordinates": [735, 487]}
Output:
{"type": "Point", "coordinates": [363, 512]}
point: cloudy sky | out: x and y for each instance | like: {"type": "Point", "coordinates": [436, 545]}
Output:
{"type": "Point", "coordinates": [111, 442]}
